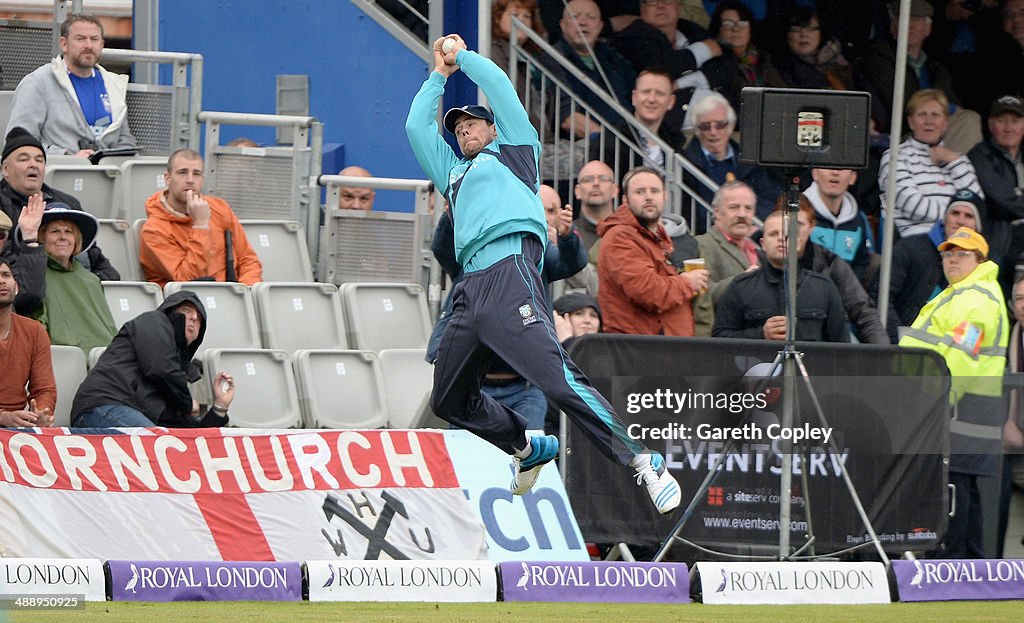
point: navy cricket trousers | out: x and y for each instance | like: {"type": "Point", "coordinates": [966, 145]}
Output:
{"type": "Point", "coordinates": [502, 310]}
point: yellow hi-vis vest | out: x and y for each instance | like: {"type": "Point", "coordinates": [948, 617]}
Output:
{"type": "Point", "coordinates": [967, 324]}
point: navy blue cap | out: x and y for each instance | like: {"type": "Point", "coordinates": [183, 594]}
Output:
{"type": "Point", "coordinates": [970, 198]}
{"type": "Point", "coordinates": [473, 110]}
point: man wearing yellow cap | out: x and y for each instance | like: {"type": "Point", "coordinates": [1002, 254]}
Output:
{"type": "Point", "coordinates": [967, 324]}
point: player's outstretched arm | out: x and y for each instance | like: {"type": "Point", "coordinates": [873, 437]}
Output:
{"type": "Point", "coordinates": [509, 115]}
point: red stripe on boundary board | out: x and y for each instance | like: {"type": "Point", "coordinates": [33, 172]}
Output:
{"type": "Point", "coordinates": [234, 527]}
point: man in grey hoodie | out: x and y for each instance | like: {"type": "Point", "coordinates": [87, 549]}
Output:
{"type": "Point", "coordinates": [73, 104]}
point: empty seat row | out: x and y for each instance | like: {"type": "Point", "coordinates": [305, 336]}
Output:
{"type": "Point", "coordinates": [314, 388]}
{"type": "Point", "coordinates": [280, 245]}
{"type": "Point", "coordinates": [292, 316]}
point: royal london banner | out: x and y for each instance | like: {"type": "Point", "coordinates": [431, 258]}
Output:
{"type": "Point", "coordinates": [402, 580]}
{"type": "Point", "coordinates": [948, 580]}
{"type": "Point", "coordinates": [793, 583]}
{"type": "Point", "coordinates": [151, 580]}
{"type": "Point", "coordinates": [233, 495]}
{"type": "Point", "coordinates": [598, 582]}
{"type": "Point", "coordinates": [696, 400]}
{"type": "Point", "coordinates": [56, 577]}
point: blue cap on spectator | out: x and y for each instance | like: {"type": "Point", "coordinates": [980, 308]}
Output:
{"type": "Point", "coordinates": [473, 110]}
{"type": "Point", "coordinates": [971, 200]}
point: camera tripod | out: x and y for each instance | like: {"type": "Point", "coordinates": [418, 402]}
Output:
{"type": "Point", "coordinates": [792, 364]}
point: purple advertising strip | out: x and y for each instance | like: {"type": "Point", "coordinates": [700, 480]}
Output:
{"type": "Point", "coordinates": [947, 580]}
{"type": "Point", "coordinates": [630, 582]}
{"type": "Point", "coordinates": [146, 580]}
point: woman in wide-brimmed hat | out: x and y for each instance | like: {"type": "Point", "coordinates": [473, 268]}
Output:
{"type": "Point", "coordinates": [73, 308]}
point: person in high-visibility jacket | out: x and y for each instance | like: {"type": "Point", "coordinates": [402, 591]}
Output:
{"type": "Point", "coordinates": [967, 324]}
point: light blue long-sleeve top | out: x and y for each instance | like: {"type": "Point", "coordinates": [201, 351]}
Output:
{"type": "Point", "coordinates": [493, 197]}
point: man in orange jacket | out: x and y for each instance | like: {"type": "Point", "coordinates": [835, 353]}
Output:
{"type": "Point", "coordinates": [186, 234]}
{"type": "Point", "coordinates": [641, 290]}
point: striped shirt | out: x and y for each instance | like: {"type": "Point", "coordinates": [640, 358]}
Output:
{"type": "Point", "coordinates": [923, 188]}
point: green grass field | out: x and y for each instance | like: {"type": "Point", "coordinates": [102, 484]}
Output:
{"type": "Point", "coordinates": [229, 612]}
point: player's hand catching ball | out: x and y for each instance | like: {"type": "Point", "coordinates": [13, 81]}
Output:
{"type": "Point", "coordinates": [445, 48]}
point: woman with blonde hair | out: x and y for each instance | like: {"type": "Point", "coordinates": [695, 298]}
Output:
{"type": "Point", "coordinates": [72, 306]}
{"type": "Point", "coordinates": [928, 173]}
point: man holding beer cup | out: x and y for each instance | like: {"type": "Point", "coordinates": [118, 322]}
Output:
{"type": "Point", "coordinates": [641, 291]}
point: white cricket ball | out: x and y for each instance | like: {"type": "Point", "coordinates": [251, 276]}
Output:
{"type": "Point", "coordinates": [448, 46]}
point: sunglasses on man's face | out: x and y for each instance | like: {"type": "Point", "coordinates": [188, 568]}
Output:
{"type": "Point", "coordinates": [707, 125]}
{"type": "Point", "coordinates": [3, 235]}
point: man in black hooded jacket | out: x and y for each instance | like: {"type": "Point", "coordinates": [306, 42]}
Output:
{"type": "Point", "coordinates": [142, 377]}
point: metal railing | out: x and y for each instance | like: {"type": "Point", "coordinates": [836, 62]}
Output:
{"type": "Point", "coordinates": [380, 246]}
{"type": "Point", "coordinates": [410, 34]}
{"type": "Point", "coordinates": [567, 153]}
{"type": "Point", "coordinates": [267, 182]}
{"type": "Point", "coordinates": [164, 118]}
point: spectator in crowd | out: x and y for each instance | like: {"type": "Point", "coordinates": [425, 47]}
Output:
{"type": "Point", "coordinates": [840, 226]}
{"type": "Point", "coordinates": [877, 67]}
{"type": "Point", "coordinates": [928, 172]}
{"type": "Point", "coordinates": [813, 58]}
{"type": "Point", "coordinates": [596, 191]}
{"type": "Point", "coordinates": [23, 165]}
{"type": "Point", "coordinates": [242, 141]}
{"type": "Point", "coordinates": [6, 225]}
{"type": "Point", "coordinates": [142, 377]}
{"type": "Point", "coordinates": [73, 308]}
{"type": "Point", "coordinates": [684, 244]}
{"type": "Point", "coordinates": [354, 197]}
{"type": "Point", "coordinates": [620, 14]}
{"type": "Point", "coordinates": [1003, 48]}
{"type": "Point", "coordinates": [73, 104]}
{"type": "Point", "coordinates": [641, 291]}
{"type": "Point", "coordinates": [678, 47]}
{"type": "Point", "coordinates": [714, 152]}
{"type": "Point", "coordinates": [959, 29]}
{"type": "Point", "coordinates": [28, 391]}
{"type": "Point", "coordinates": [966, 324]}
{"type": "Point", "coordinates": [565, 253]}
{"type": "Point", "coordinates": [652, 99]}
{"type": "Point", "coordinates": [1013, 428]}
{"type": "Point", "coordinates": [502, 12]}
{"type": "Point", "coordinates": [747, 64]}
{"type": "Point", "coordinates": [581, 27]}
{"type": "Point", "coordinates": [1000, 168]}
{"type": "Point", "coordinates": [526, 11]}
{"type": "Point", "coordinates": [916, 275]}
{"type": "Point", "coordinates": [861, 312]}
{"type": "Point", "coordinates": [727, 248]}
{"type": "Point", "coordinates": [502, 252]}
{"type": "Point", "coordinates": [576, 314]}
{"type": "Point", "coordinates": [753, 306]}
{"type": "Point", "coordinates": [189, 236]}
{"type": "Point", "coordinates": [755, 9]}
